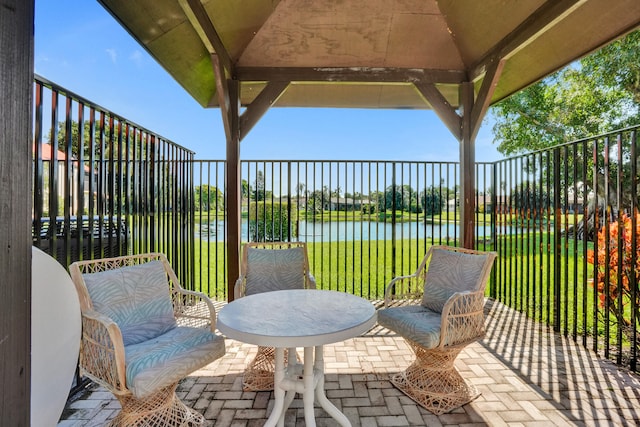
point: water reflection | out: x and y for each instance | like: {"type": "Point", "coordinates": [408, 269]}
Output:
{"type": "Point", "coordinates": [350, 230]}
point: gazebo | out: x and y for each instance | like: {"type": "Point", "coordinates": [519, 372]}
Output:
{"type": "Point", "coordinates": [456, 57]}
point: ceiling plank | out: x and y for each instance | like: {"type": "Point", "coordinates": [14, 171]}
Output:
{"type": "Point", "coordinates": [200, 21]}
{"type": "Point", "coordinates": [529, 30]}
{"type": "Point", "coordinates": [349, 74]}
{"type": "Point", "coordinates": [483, 99]}
{"type": "Point", "coordinates": [442, 108]}
{"type": "Point", "coordinates": [254, 111]}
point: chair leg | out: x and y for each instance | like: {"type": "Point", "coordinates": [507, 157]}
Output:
{"type": "Point", "coordinates": [163, 408]}
{"type": "Point", "coordinates": [433, 381]}
{"type": "Point", "coordinates": [258, 376]}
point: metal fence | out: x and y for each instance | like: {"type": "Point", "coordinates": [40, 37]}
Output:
{"type": "Point", "coordinates": [104, 186]}
{"type": "Point", "coordinates": [364, 222]}
{"type": "Point", "coordinates": [561, 219]}
{"type": "Point", "coordinates": [571, 259]}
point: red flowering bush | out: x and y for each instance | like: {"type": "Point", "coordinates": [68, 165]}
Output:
{"type": "Point", "coordinates": [617, 282]}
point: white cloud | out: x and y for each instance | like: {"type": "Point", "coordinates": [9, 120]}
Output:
{"type": "Point", "coordinates": [136, 57]}
{"type": "Point", "coordinates": [112, 54]}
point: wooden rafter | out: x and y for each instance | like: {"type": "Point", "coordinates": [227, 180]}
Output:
{"type": "Point", "coordinates": [260, 105]}
{"type": "Point", "coordinates": [206, 30]}
{"type": "Point", "coordinates": [483, 98]}
{"type": "Point", "coordinates": [442, 108]}
{"type": "Point", "coordinates": [529, 30]}
{"type": "Point", "coordinates": [348, 74]}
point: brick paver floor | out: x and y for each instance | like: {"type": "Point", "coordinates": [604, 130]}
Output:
{"type": "Point", "coordinates": [528, 376]}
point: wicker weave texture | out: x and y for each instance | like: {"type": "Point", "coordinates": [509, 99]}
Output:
{"type": "Point", "coordinates": [432, 380]}
{"type": "Point", "coordinates": [258, 375]}
{"type": "Point", "coordinates": [163, 408]}
{"type": "Point", "coordinates": [102, 352]}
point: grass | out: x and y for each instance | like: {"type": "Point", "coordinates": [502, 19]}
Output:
{"type": "Point", "coordinates": [526, 277]}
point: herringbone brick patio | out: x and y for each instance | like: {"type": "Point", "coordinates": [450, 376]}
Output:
{"type": "Point", "coordinates": [528, 376]}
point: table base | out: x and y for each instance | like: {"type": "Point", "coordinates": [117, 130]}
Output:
{"type": "Point", "coordinates": [306, 379]}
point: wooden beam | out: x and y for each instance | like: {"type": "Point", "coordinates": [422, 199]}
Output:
{"type": "Point", "coordinates": [260, 105]}
{"type": "Point", "coordinates": [547, 15]}
{"type": "Point", "coordinates": [16, 87]}
{"type": "Point", "coordinates": [442, 108]}
{"type": "Point", "coordinates": [483, 99]}
{"type": "Point", "coordinates": [200, 21]}
{"type": "Point", "coordinates": [467, 169]}
{"type": "Point", "coordinates": [348, 74]}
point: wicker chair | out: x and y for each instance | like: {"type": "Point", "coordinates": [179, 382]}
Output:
{"type": "Point", "coordinates": [141, 334]}
{"type": "Point", "coordinates": [265, 267]}
{"type": "Point", "coordinates": [438, 310]}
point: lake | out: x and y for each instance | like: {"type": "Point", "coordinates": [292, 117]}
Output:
{"type": "Point", "coordinates": [350, 230]}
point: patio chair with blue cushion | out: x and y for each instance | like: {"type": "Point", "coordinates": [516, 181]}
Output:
{"type": "Point", "coordinates": [438, 310]}
{"type": "Point", "coordinates": [270, 266]}
{"type": "Point", "coordinates": [141, 334]}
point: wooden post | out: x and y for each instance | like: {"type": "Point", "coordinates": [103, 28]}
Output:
{"type": "Point", "coordinates": [233, 190]}
{"type": "Point", "coordinates": [16, 87]}
{"type": "Point", "coordinates": [467, 169]}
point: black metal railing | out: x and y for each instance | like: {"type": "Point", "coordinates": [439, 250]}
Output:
{"type": "Point", "coordinates": [104, 186]}
{"type": "Point", "coordinates": [553, 215]}
{"type": "Point", "coordinates": [569, 261]}
{"type": "Point", "coordinates": [365, 222]}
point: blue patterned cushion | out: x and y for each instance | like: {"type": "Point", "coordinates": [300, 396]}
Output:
{"type": "Point", "coordinates": [415, 323]}
{"type": "Point", "coordinates": [170, 357]}
{"type": "Point", "coordinates": [450, 272]}
{"type": "Point", "coordinates": [136, 298]}
{"type": "Point", "coordinates": [274, 269]}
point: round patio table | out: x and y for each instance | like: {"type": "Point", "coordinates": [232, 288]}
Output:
{"type": "Point", "coordinates": [298, 318]}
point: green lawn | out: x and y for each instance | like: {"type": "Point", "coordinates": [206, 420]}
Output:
{"type": "Point", "coordinates": [525, 275]}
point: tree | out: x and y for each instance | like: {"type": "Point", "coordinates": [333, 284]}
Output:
{"type": "Point", "coordinates": [563, 107]}
{"type": "Point", "coordinates": [404, 195]}
{"type": "Point", "coordinates": [259, 193]}
{"type": "Point", "coordinates": [246, 189]}
{"type": "Point", "coordinates": [598, 94]}
{"type": "Point", "coordinates": [300, 189]}
{"type": "Point", "coordinates": [316, 200]}
{"type": "Point", "coordinates": [616, 66]}
{"type": "Point", "coordinates": [208, 198]}
{"type": "Point", "coordinates": [431, 201]}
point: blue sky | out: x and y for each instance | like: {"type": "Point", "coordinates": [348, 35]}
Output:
{"type": "Point", "coordinates": [79, 46]}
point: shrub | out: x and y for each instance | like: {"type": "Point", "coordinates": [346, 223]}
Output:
{"type": "Point", "coordinates": [269, 222]}
{"type": "Point", "coordinates": [610, 281]}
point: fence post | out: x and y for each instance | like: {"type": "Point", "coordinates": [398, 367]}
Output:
{"type": "Point", "coordinates": [557, 270]}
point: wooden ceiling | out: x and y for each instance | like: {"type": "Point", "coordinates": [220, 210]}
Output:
{"type": "Point", "coordinates": [370, 53]}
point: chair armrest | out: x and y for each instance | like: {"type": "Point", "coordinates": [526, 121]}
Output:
{"type": "Point", "coordinates": [311, 281]}
{"type": "Point", "coordinates": [193, 309]}
{"type": "Point", "coordinates": [239, 289]}
{"type": "Point", "coordinates": [406, 288]}
{"type": "Point", "coordinates": [102, 356]}
{"type": "Point", "coordinates": [462, 319]}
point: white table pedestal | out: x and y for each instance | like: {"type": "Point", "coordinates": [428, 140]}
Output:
{"type": "Point", "coordinates": [298, 318]}
{"type": "Point", "coordinates": [306, 379]}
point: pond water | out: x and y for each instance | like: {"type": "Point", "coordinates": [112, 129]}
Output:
{"type": "Point", "coordinates": [351, 230]}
